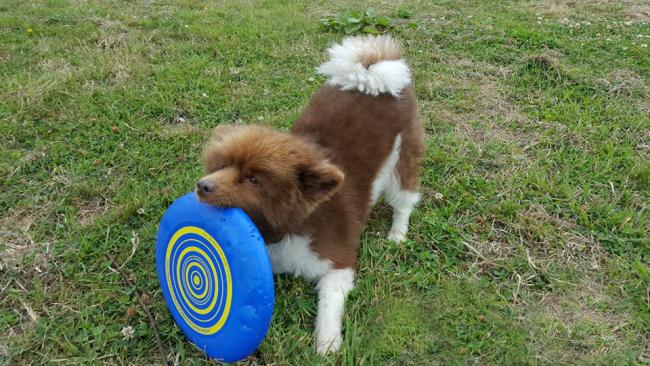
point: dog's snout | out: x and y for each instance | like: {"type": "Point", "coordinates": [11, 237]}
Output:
{"type": "Point", "coordinates": [205, 186]}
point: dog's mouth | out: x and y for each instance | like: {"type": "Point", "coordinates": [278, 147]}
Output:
{"type": "Point", "coordinates": [212, 199]}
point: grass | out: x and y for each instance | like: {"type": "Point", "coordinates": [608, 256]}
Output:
{"type": "Point", "coordinates": [531, 245]}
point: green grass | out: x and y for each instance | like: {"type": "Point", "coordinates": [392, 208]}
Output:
{"type": "Point", "coordinates": [531, 245]}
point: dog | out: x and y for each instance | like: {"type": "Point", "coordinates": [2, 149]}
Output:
{"type": "Point", "coordinates": [310, 190]}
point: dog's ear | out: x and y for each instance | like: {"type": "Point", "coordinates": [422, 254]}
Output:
{"type": "Point", "coordinates": [318, 181]}
{"type": "Point", "coordinates": [221, 131]}
{"type": "Point", "coordinates": [213, 154]}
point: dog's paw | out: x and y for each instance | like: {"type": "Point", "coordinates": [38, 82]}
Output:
{"type": "Point", "coordinates": [396, 236]}
{"type": "Point", "coordinates": [328, 343]}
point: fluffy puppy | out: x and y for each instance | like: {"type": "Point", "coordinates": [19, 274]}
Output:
{"type": "Point", "coordinates": [310, 190]}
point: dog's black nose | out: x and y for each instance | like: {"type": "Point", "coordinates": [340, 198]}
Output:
{"type": "Point", "coordinates": [205, 186]}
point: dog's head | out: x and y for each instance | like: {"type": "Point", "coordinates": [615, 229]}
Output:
{"type": "Point", "coordinates": [271, 175]}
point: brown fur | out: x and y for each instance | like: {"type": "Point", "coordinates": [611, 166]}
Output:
{"type": "Point", "coordinates": [410, 158]}
{"type": "Point", "coordinates": [380, 48]}
{"type": "Point", "coordinates": [301, 186]}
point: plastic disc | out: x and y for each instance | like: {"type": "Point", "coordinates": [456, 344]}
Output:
{"type": "Point", "coordinates": [216, 277]}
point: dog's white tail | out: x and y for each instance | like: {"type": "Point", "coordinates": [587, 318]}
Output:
{"type": "Point", "coordinates": [369, 64]}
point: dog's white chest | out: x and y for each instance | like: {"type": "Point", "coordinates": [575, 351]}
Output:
{"type": "Point", "coordinates": [293, 255]}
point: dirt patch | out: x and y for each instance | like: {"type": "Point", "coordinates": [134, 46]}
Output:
{"type": "Point", "coordinates": [22, 258]}
{"type": "Point", "coordinates": [15, 235]}
{"type": "Point", "coordinates": [112, 50]}
{"type": "Point", "coordinates": [564, 8]}
{"type": "Point", "coordinates": [624, 83]}
{"type": "Point", "coordinates": [577, 323]}
{"type": "Point", "coordinates": [483, 84]}
{"type": "Point", "coordinates": [120, 70]}
{"type": "Point", "coordinates": [106, 23]}
{"type": "Point", "coordinates": [482, 112]}
{"type": "Point", "coordinates": [484, 116]}
{"type": "Point", "coordinates": [91, 210]}
{"type": "Point", "coordinates": [179, 130]}
{"type": "Point", "coordinates": [111, 40]}
{"type": "Point", "coordinates": [33, 91]}
{"type": "Point", "coordinates": [547, 241]}
{"type": "Point", "coordinates": [643, 106]}
{"type": "Point", "coordinates": [579, 304]}
{"type": "Point", "coordinates": [58, 67]}
{"type": "Point", "coordinates": [554, 239]}
{"type": "Point", "coordinates": [638, 12]}
{"type": "Point", "coordinates": [28, 319]}
{"type": "Point", "coordinates": [112, 32]}
{"type": "Point", "coordinates": [569, 320]}
{"type": "Point", "coordinates": [180, 124]}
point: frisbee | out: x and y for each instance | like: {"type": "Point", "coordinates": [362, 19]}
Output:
{"type": "Point", "coordinates": [216, 277]}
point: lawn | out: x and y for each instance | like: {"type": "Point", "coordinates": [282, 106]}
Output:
{"type": "Point", "coordinates": [531, 245]}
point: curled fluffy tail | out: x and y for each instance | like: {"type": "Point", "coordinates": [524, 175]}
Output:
{"type": "Point", "coordinates": [369, 64]}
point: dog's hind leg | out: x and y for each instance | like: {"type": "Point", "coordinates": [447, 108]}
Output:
{"type": "Point", "coordinates": [401, 192]}
{"type": "Point", "coordinates": [403, 203]}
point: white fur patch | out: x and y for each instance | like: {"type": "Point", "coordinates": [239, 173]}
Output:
{"type": "Point", "coordinates": [403, 203]}
{"type": "Point", "coordinates": [387, 183]}
{"type": "Point", "coordinates": [332, 290]}
{"type": "Point", "coordinates": [387, 177]}
{"type": "Point", "coordinates": [345, 69]}
{"type": "Point", "coordinates": [293, 255]}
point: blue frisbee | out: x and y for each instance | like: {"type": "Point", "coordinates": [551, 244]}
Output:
{"type": "Point", "coordinates": [216, 277]}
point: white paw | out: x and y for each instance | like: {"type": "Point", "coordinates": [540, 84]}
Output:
{"type": "Point", "coordinates": [397, 236]}
{"type": "Point", "coordinates": [328, 343]}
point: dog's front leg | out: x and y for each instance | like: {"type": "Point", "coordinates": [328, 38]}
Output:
{"type": "Point", "coordinates": [333, 287]}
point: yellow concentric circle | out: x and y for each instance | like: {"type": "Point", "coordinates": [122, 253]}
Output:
{"type": "Point", "coordinates": [198, 279]}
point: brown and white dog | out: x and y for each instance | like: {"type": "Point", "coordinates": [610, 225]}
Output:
{"type": "Point", "coordinates": [310, 190]}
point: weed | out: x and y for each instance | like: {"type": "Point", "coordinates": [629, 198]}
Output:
{"type": "Point", "coordinates": [357, 21]}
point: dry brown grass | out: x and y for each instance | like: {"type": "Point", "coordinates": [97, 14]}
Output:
{"type": "Point", "coordinates": [557, 317]}
{"type": "Point", "coordinates": [59, 67]}
{"type": "Point", "coordinates": [89, 211]}
{"type": "Point", "coordinates": [180, 129]}
{"type": "Point", "coordinates": [547, 242]}
{"type": "Point", "coordinates": [566, 315]}
{"type": "Point", "coordinates": [638, 12]}
{"type": "Point", "coordinates": [21, 259]}
{"type": "Point", "coordinates": [487, 113]}
{"type": "Point", "coordinates": [544, 239]}
{"type": "Point", "coordinates": [566, 8]}
{"type": "Point", "coordinates": [625, 83]}
{"type": "Point", "coordinates": [16, 236]}
{"type": "Point", "coordinates": [486, 119]}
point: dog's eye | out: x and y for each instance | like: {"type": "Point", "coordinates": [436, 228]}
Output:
{"type": "Point", "coordinates": [251, 179]}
